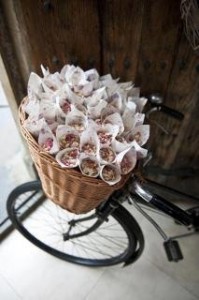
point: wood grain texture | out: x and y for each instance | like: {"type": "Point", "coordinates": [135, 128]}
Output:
{"type": "Point", "coordinates": [161, 23]}
{"type": "Point", "coordinates": [182, 94]}
{"type": "Point", "coordinates": [64, 32]}
{"type": "Point", "coordinates": [121, 32]}
{"type": "Point", "coordinates": [8, 53]}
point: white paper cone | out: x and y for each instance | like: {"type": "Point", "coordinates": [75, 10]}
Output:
{"type": "Point", "coordinates": [141, 152]}
{"type": "Point", "coordinates": [119, 146]}
{"type": "Point", "coordinates": [45, 71]}
{"type": "Point", "coordinates": [89, 165]}
{"type": "Point", "coordinates": [115, 119]}
{"type": "Point", "coordinates": [140, 134]}
{"type": "Point", "coordinates": [34, 125]}
{"type": "Point", "coordinates": [127, 160]}
{"type": "Point", "coordinates": [67, 137]}
{"type": "Point", "coordinates": [107, 111]}
{"type": "Point", "coordinates": [110, 174]}
{"type": "Point", "coordinates": [107, 155]}
{"type": "Point", "coordinates": [76, 120]}
{"type": "Point", "coordinates": [48, 141]}
{"type": "Point", "coordinates": [68, 158]}
{"type": "Point", "coordinates": [116, 101]}
{"type": "Point", "coordinates": [95, 111]}
{"type": "Point", "coordinates": [89, 142]}
{"type": "Point", "coordinates": [34, 85]}
{"type": "Point", "coordinates": [74, 76]}
{"type": "Point", "coordinates": [97, 95]}
{"type": "Point", "coordinates": [107, 134]}
{"type": "Point", "coordinates": [93, 76]}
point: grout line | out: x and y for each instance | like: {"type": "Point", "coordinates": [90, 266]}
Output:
{"type": "Point", "coordinates": [172, 277]}
{"type": "Point", "coordinates": [11, 286]}
{"type": "Point", "coordinates": [94, 285]}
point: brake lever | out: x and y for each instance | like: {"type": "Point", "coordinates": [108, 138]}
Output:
{"type": "Point", "coordinates": [156, 101]}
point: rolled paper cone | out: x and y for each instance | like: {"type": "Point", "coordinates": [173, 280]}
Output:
{"type": "Point", "coordinates": [63, 72]}
{"type": "Point", "coordinates": [141, 152]}
{"type": "Point", "coordinates": [67, 137]}
{"type": "Point", "coordinates": [33, 108]}
{"type": "Point", "coordinates": [84, 88]}
{"type": "Point", "coordinates": [140, 134]}
{"type": "Point", "coordinates": [53, 126]}
{"type": "Point", "coordinates": [110, 171]}
{"type": "Point", "coordinates": [89, 165]}
{"type": "Point", "coordinates": [131, 106]}
{"type": "Point", "coordinates": [34, 84]}
{"type": "Point", "coordinates": [49, 110]}
{"type": "Point", "coordinates": [68, 158]}
{"type": "Point", "coordinates": [77, 120]}
{"type": "Point", "coordinates": [34, 126]}
{"type": "Point", "coordinates": [48, 141]}
{"type": "Point", "coordinates": [128, 119]}
{"type": "Point", "coordinates": [45, 72]}
{"type": "Point", "coordinates": [74, 98]}
{"type": "Point", "coordinates": [138, 119]}
{"type": "Point", "coordinates": [120, 146]}
{"type": "Point", "coordinates": [107, 111]}
{"type": "Point", "coordinates": [74, 76]}
{"type": "Point", "coordinates": [107, 134]}
{"type": "Point", "coordinates": [52, 81]}
{"type": "Point", "coordinates": [107, 155]}
{"type": "Point", "coordinates": [120, 156]}
{"type": "Point", "coordinates": [89, 142]}
{"type": "Point", "coordinates": [93, 76]}
{"type": "Point", "coordinates": [140, 102]}
{"type": "Point", "coordinates": [95, 111]}
{"type": "Point", "coordinates": [116, 101]}
{"type": "Point", "coordinates": [128, 162]}
{"type": "Point", "coordinates": [97, 95]}
{"type": "Point", "coordinates": [81, 108]}
{"type": "Point", "coordinates": [115, 119]}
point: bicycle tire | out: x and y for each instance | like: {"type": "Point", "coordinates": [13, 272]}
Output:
{"type": "Point", "coordinates": [129, 228]}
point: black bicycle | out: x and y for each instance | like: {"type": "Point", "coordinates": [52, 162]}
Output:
{"type": "Point", "coordinates": [105, 236]}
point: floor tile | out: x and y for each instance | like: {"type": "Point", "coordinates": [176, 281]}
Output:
{"type": "Point", "coordinates": [37, 275]}
{"type": "Point", "coordinates": [141, 281]}
{"type": "Point", "coordinates": [6, 291]}
{"type": "Point", "coordinates": [185, 272]}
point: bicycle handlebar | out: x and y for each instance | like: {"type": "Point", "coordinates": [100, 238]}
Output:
{"type": "Point", "coordinates": [163, 205]}
{"type": "Point", "coordinates": [156, 101]}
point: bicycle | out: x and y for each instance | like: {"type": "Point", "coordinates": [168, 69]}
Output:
{"type": "Point", "coordinates": [106, 236]}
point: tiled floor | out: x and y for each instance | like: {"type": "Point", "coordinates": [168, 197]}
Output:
{"type": "Point", "coordinates": [29, 273]}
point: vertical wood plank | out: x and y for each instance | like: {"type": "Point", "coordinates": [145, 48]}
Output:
{"type": "Point", "coordinates": [182, 94]}
{"type": "Point", "coordinates": [121, 32]}
{"type": "Point", "coordinates": [8, 53]}
{"type": "Point", "coordinates": [161, 24]}
{"type": "Point", "coordinates": [62, 32]}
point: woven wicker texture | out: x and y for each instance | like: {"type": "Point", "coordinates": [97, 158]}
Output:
{"type": "Point", "coordinates": [66, 187]}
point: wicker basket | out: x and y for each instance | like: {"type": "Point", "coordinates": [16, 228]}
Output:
{"type": "Point", "coordinates": [66, 187]}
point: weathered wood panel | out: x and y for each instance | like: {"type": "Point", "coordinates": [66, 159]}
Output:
{"type": "Point", "coordinates": [121, 33]}
{"type": "Point", "coordinates": [62, 32]}
{"type": "Point", "coordinates": [160, 29]}
{"type": "Point", "coordinates": [9, 56]}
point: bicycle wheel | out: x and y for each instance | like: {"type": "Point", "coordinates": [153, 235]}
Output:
{"type": "Point", "coordinates": [46, 224]}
